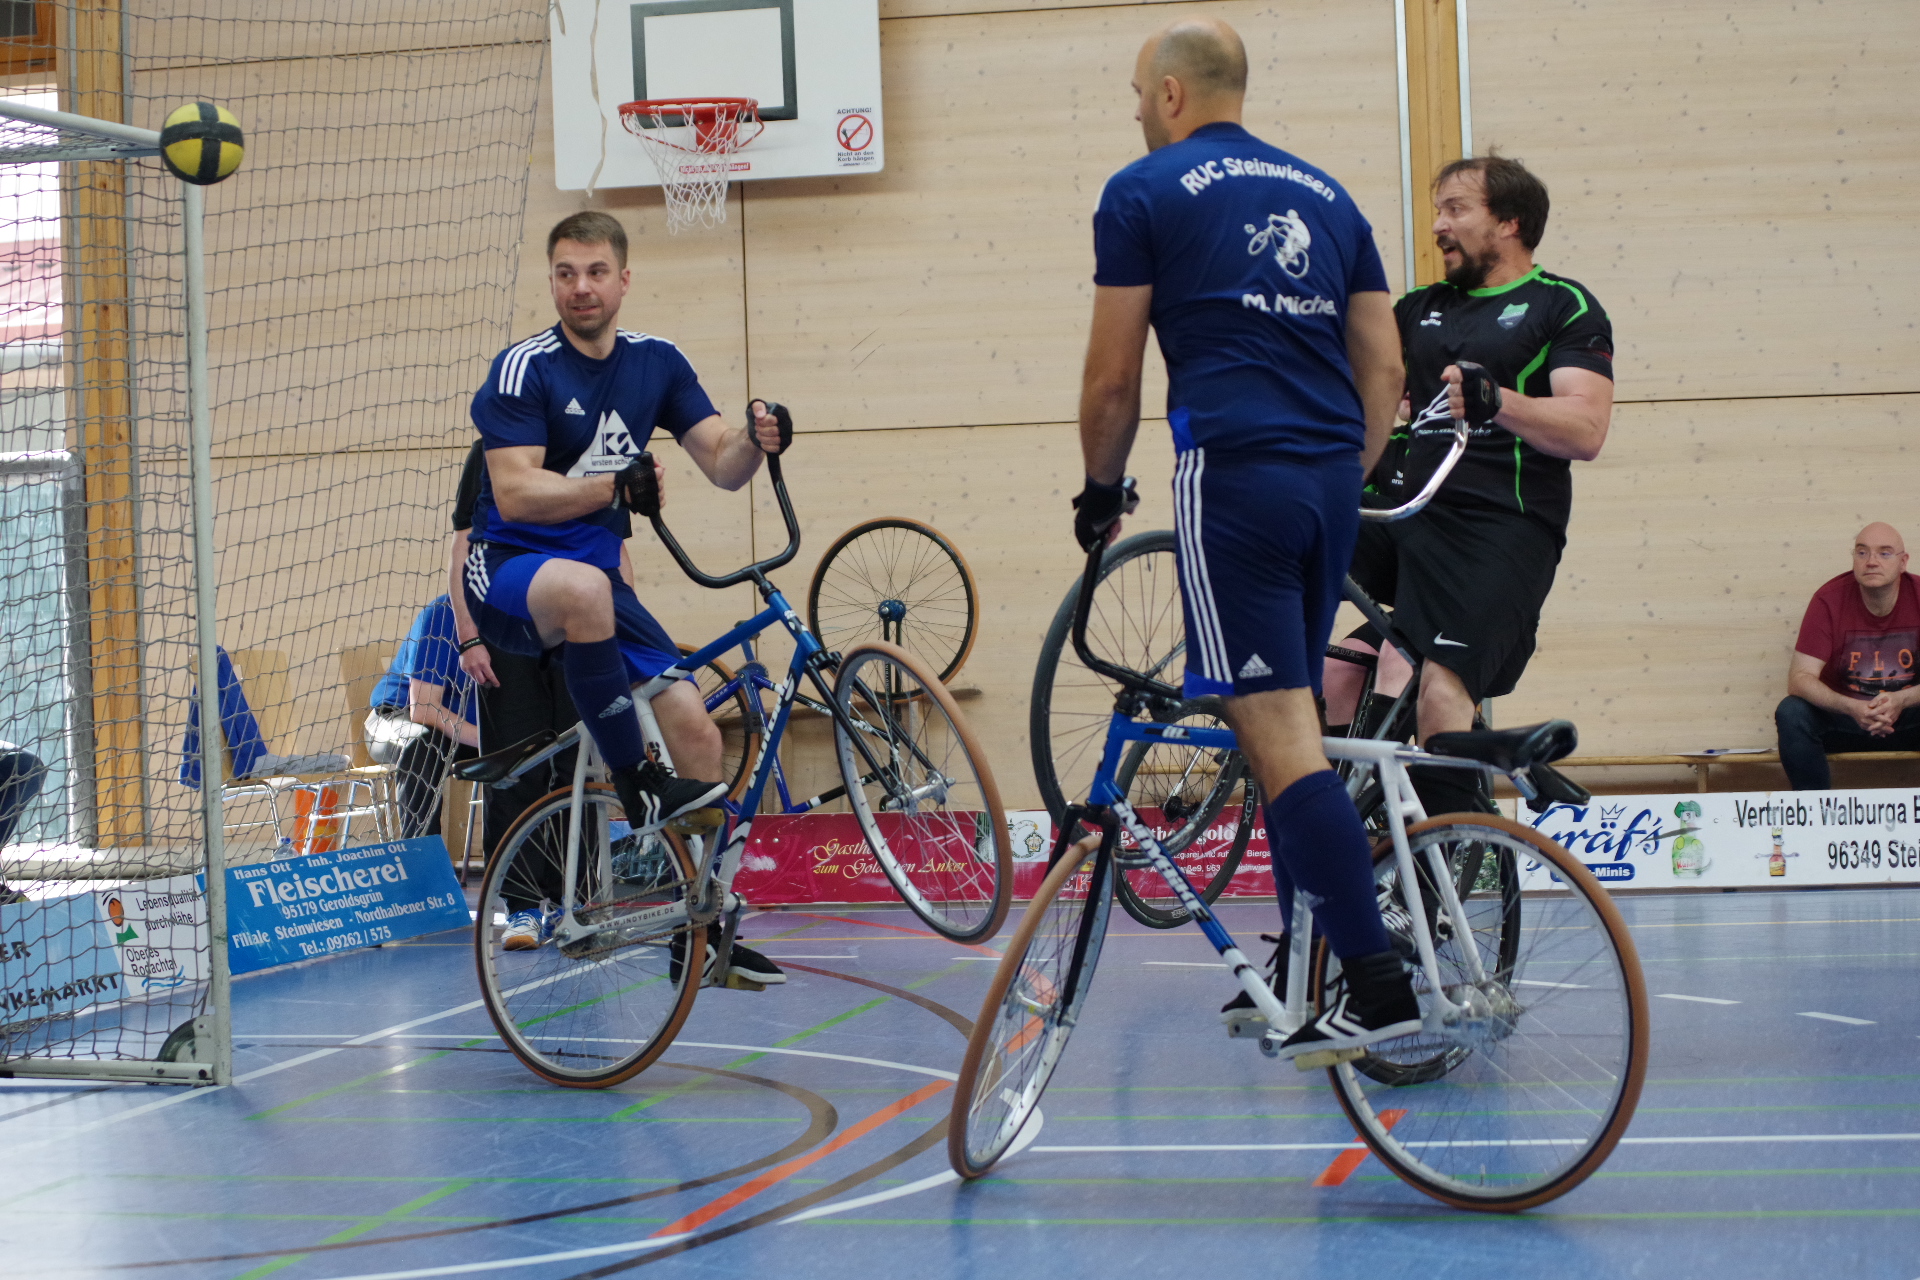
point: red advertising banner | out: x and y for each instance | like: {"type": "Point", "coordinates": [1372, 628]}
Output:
{"type": "Point", "coordinates": [796, 859]}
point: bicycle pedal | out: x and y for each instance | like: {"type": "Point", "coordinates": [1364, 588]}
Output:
{"type": "Point", "coordinates": [737, 983]}
{"type": "Point", "coordinates": [698, 822]}
{"type": "Point", "coordinates": [1247, 1028]}
{"type": "Point", "coordinates": [1326, 1058]}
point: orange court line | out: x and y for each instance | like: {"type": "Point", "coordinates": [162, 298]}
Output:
{"type": "Point", "coordinates": [1347, 1161]}
{"type": "Point", "coordinates": [780, 1173]}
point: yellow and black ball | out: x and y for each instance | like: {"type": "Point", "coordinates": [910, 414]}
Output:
{"type": "Point", "coordinates": [202, 143]}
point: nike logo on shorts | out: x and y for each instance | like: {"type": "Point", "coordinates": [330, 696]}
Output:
{"type": "Point", "coordinates": [1452, 644]}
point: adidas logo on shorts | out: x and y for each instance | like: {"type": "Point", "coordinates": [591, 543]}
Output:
{"type": "Point", "coordinates": [1255, 669]}
{"type": "Point", "coordinates": [619, 704]}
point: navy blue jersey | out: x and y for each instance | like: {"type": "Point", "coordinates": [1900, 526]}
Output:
{"type": "Point", "coordinates": [1252, 254]}
{"type": "Point", "coordinates": [592, 417]}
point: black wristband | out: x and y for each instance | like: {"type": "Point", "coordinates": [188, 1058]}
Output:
{"type": "Point", "coordinates": [468, 644]}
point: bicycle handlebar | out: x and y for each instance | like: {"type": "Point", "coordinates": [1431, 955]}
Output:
{"type": "Point", "coordinates": [1434, 412]}
{"type": "Point", "coordinates": [1082, 608]}
{"type": "Point", "coordinates": [755, 572]}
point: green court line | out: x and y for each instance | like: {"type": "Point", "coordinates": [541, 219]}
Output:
{"type": "Point", "coordinates": [55, 1185]}
{"type": "Point", "coordinates": [666, 1095]}
{"type": "Point", "coordinates": [355, 1084]}
{"type": "Point", "coordinates": [361, 1228]}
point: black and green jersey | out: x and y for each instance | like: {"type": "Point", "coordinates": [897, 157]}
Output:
{"type": "Point", "coordinates": [1521, 332]}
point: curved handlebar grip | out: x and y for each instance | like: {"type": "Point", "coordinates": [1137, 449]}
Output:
{"type": "Point", "coordinates": [759, 568]}
{"type": "Point", "coordinates": [1082, 608]}
{"type": "Point", "coordinates": [1421, 499]}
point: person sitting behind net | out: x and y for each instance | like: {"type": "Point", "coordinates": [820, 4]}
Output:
{"type": "Point", "coordinates": [423, 732]}
{"type": "Point", "coordinates": [1851, 684]}
{"type": "Point", "coordinates": [21, 775]}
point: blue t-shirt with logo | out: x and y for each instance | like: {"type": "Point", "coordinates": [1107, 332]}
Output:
{"type": "Point", "coordinates": [1252, 254]}
{"type": "Point", "coordinates": [592, 417]}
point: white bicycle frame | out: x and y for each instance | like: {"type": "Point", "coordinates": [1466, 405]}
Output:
{"type": "Point", "coordinates": [1444, 1016]}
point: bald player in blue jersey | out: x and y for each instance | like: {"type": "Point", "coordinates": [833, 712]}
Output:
{"type": "Point", "coordinates": [1262, 282]}
{"type": "Point", "coordinates": [563, 417]}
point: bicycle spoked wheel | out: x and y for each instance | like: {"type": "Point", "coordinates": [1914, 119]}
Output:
{"type": "Point", "coordinates": [920, 786]}
{"type": "Point", "coordinates": [900, 581]}
{"type": "Point", "coordinates": [1185, 793]}
{"type": "Point", "coordinates": [597, 1012]}
{"type": "Point", "coordinates": [1136, 623]}
{"type": "Point", "coordinates": [732, 712]}
{"type": "Point", "coordinates": [1030, 1010]}
{"type": "Point", "coordinates": [1527, 1100]}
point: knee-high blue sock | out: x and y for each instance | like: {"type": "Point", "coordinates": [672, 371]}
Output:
{"type": "Point", "coordinates": [1315, 833]}
{"type": "Point", "coordinates": [597, 679]}
{"type": "Point", "coordinates": [1283, 888]}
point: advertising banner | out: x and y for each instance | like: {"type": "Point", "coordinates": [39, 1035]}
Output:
{"type": "Point", "coordinates": [800, 858]}
{"type": "Point", "coordinates": [1742, 839]}
{"type": "Point", "coordinates": [55, 957]}
{"type": "Point", "coordinates": [325, 903]}
{"type": "Point", "coordinates": [159, 928]}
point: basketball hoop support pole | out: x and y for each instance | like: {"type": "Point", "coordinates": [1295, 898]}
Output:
{"type": "Point", "coordinates": [193, 206]}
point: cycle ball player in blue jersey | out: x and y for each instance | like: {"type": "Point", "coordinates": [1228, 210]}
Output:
{"type": "Point", "coordinates": [563, 415]}
{"type": "Point", "coordinates": [1262, 281]}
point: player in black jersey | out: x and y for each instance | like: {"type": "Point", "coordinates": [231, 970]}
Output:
{"type": "Point", "coordinates": [1526, 357]}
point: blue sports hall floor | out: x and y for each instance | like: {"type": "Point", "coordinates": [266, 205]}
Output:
{"type": "Point", "coordinates": [378, 1129]}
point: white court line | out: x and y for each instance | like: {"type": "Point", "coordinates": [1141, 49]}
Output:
{"type": "Point", "coordinates": [189, 1092]}
{"type": "Point", "coordinates": [1562, 986]}
{"type": "Point", "coordinates": [815, 1053]}
{"type": "Point", "coordinates": [1841, 1017]}
{"type": "Point", "coordinates": [501, 1264]}
{"type": "Point", "coordinates": [1705, 1140]}
{"type": "Point", "coordinates": [796, 955]}
{"type": "Point", "coordinates": [1665, 995]}
{"type": "Point", "coordinates": [1028, 1132]}
{"type": "Point", "coordinates": [1182, 964]}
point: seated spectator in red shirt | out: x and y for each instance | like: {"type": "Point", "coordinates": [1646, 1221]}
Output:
{"type": "Point", "coordinates": [1851, 686]}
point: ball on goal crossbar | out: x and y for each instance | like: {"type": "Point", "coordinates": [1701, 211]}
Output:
{"type": "Point", "coordinates": [202, 143]}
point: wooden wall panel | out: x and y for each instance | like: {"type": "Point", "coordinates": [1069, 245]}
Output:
{"type": "Point", "coordinates": [954, 288]}
{"type": "Point", "coordinates": [1735, 182]}
{"type": "Point", "coordinates": [1697, 539]}
{"type": "Point", "coordinates": [1000, 494]}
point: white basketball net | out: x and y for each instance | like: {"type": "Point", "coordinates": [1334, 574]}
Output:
{"type": "Point", "coordinates": [692, 145]}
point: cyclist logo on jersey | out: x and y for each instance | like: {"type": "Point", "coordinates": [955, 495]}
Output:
{"type": "Point", "coordinates": [1287, 235]}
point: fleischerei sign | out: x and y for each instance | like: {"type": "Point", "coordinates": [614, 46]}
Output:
{"type": "Point", "coordinates": [325, 903]}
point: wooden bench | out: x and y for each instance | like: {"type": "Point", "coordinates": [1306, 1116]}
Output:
{"type": "Point", "coordinates": [1701, 764]}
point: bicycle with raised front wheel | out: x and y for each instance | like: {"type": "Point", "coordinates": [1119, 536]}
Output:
{"type": "Point", "coordinates": [635, 921]}
{"type": "Point", "coordinates": [1533, 1042]}
{"type": "Point", "coordinates": [1202, 805]}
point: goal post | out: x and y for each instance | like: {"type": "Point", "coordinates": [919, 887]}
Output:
{"type": "Point", "coordinates": [82, 999]}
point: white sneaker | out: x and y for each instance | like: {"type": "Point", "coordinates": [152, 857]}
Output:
{"type": "Point", "coordinates": [525, 931]}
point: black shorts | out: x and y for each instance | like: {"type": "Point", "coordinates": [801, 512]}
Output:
{"type": "Point", "coordinates": [1465, 586]}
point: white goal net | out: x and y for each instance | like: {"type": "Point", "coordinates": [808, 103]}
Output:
{"type": "Point", "coordinates": [359, 273]}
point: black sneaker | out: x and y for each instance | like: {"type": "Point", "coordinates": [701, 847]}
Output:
{"type": "Point", "coordinates": [652, 794]}
{"type": "Point", "coordinates": [1241, 1016]}
{"type": "Point", "coordinates": [746, 966]}
{"type": "Point", "coordinates": [1373, 1001]}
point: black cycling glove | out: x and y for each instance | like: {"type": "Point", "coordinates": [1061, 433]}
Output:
{"type": "Point", "coordinates": [1481, 392]}
{"type": "Point", "coordinates": [778, 412]}
{"type": "Point", "coordinates": [1098, 506]}
{"type": "Point", "coordinates": [637, 488]}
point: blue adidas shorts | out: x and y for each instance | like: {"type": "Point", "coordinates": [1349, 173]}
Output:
{"type": "Point", "coordinates": [1264, 545]}
{"type": "Point", "coordinates": [497, 578]}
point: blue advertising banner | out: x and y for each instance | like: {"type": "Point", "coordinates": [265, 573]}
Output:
{"type": "Point", "coordinates": [55, 957]}
{"type": "Point", "coordinates": [326, 903]}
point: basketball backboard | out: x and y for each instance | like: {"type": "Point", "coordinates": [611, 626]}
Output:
{"type": "Point", "coordinates": [814, 66]}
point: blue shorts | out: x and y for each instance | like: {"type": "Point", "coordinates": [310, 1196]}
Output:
{"type": "Point", "coordinates": [1264, 544]}
{"type": "Point", "coordinates": [497, 578]}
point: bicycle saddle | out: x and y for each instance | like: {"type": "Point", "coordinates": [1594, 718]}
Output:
{"type": "Point", "coordinates": [495, 765]}
{"type": "Point", "coordinates": [1510, 750]}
